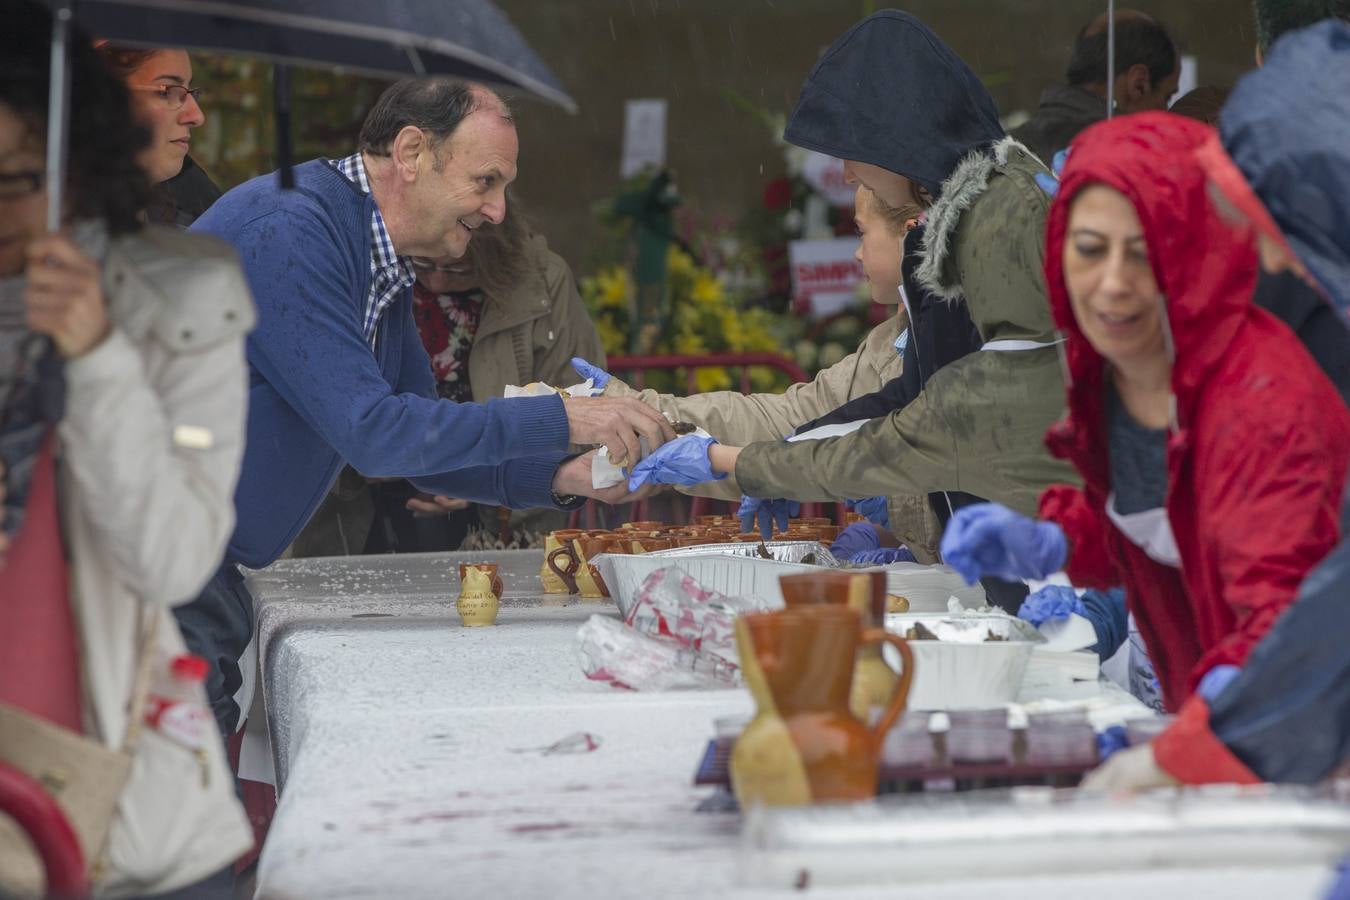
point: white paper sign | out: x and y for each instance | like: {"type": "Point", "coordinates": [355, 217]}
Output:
{"type": "Point", "coordinates": [826, 175]}
{"type": "Point", "coordinates": [825, 276]}
{"type": "Point", "coordinates": [644, 136]}
{"type": "Point", "coordinates": [1189, 77]}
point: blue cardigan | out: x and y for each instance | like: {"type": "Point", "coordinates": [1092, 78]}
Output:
{"type": "Point", "coordinates": [318, 397]}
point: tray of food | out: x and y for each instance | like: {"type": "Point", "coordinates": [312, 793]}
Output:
{"type": "Point", "coordinates": [810, 553]}
{"type": "Point", "coordinates": [735, 576]}
{"type": "Point", "coordinates": [967, 660]}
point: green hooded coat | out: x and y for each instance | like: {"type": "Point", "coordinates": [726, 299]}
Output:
{"type": "Point", "coordinates": [979, 424]}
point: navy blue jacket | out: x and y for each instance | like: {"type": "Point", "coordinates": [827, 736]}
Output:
{"type": "Point", "coordinates": [1287, 126]}
{"type": "Point", "coordinates": [318, 396]}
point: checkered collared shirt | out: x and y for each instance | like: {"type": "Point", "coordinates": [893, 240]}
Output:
{"type": "Point", "coordinates": [390, 274]}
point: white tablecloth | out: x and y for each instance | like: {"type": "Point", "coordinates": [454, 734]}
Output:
{"type": "Point", "coordinates": [410, 752]}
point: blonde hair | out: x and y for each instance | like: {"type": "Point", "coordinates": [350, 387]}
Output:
{"type": "Point", "coordinates": [897, 219]}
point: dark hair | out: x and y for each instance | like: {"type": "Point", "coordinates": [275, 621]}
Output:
{"type": "Point", "coordinates": [1139, 39]}
{"type": "Point", "coordinates": [102, 176]}
{"type": "Point", "coordinates": [435, 105]}
{"type": "Point", "coordinates": [1275, 17]}
{"type": "Point", "coordinates": [122, 61]}
{"type": "Point", "coordinates": [496, 255]}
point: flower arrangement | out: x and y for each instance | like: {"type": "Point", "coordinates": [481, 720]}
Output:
{"type": "Point", "coordinates": [705, 318]}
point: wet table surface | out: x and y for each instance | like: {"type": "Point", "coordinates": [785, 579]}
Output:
{"type": "Point", "coordinates": [418, 758]}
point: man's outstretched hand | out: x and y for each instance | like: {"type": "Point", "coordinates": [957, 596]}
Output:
{"type": "Point", "coordinates": [619, 423]}
{"type": "Point", "coordinates": [574, 477]}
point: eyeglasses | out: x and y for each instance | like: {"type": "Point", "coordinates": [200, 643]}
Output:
{"type": "Point", "coordinates": [20, 184]}
{"type": "Point", "coordinates": [175, 95]}
{"type": "Point", "coordinates": [423, 264]}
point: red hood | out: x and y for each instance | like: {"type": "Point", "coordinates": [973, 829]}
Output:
{"type": "Point", "coordinates": [1204, 266]}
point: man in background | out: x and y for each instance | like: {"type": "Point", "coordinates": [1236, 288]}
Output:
{"type": "Point", "coordinates": [1148, 68]}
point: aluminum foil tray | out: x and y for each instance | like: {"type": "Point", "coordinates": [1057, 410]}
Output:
{"type": "Point", "coordinates": [736, 576]}
{"type": "Point", "coordinates": [1040, 831]}
{"type": "Point", "coordinates": [781, 551]}
{"type": "Point", "coordinates": [962, 670]}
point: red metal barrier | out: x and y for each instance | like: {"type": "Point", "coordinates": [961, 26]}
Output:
{"type": "Point", "coordinates": [37, 813]}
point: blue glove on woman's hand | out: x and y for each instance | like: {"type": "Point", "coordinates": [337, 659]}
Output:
{"type": "Point", "coordinates": [599, 376]}
{"type": "Point", "coordinates": [683, 461]}
{"type": "Point", "coordinates": [1213, 682]}
{"type": "Point", "coordinates": [1054, 601]}
{"type": "Point", "coordinates": [990, 539]}
{"type": "Point", "coordinates": [875, 509]}
{"type": "Point", "coordinates": [883, 556]}
{"type": "Point", "coordinates": [860, 543]}
{"type": "Point", "coordinates": [768, 514]}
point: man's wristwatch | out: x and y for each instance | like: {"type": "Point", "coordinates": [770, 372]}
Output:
{"type": "Point", "coordinates": [566, 501]}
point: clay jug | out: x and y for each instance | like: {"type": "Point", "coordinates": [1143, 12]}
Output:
{"type": "Point", "coordinates": [491, 570]}
{"type": "Point", "coordinates": [552, 582]}
{"type": "Point", "coordinates": [804, 744]}
{"type": "Point", "coordinates": [477, 604]}
{"type": "Point", "coordinates": [864, 592]}
{"type": "Point", "coordinates": [571, 562]}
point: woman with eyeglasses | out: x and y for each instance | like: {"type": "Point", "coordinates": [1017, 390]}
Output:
{"type": "Point", "coordinates": [164, 101]}
{"type": "Point", "coordinates": [122, 403]}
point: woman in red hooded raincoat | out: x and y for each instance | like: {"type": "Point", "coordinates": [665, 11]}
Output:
{"type": "Point", "coordinates": [1148, 283]}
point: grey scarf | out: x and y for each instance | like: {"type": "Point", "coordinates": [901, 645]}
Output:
{"type": "Point", "coordinates": [32, 385]}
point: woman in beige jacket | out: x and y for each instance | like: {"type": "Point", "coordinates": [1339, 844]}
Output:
{"type": "Point", "coordinates": [117, 499]}
{"type": "Point", "coordinates": [733, 417]}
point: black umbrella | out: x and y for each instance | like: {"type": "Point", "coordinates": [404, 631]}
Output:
{"type": "Point", "coordinates": [468, 39]}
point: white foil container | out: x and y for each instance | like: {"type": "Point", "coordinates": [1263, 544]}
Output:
{"type": "Point", "coordinates": [1035, 832]}
{"type": "Point", "coordinates": [735, 576]}
{"type": "Point", "coordinates": [781, 551]}
{"type": "Point", "coordinates": [961, 670]}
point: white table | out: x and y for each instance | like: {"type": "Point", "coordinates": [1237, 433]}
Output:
{"type": "Point", "coordinates": [409, 752]}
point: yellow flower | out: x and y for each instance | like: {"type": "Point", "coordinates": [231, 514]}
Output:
{"type": "Point", "coordinates": [611, 337]}
{"type": "Point", "coordinates": [711, 378]}
{"type": "Point", "coordinates": [613, 288]}
{"type": "Point", "coordinates": [678, 262]}
{"type": "Point", "coordinates": [688, 342]}
{"type": "Point", "coordinates": [707, 290]}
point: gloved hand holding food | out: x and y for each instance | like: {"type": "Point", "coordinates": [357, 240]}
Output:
{"type": "Point", "coordinates": [767, 513]}
{"type": "Point", "coordinates": [1054, 601]}
{"type": "Point", "coordinates": [990, 539]}
{"type": "Point", "coordinates": [683, 461]}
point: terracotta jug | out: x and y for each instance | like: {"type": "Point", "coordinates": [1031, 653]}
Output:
{"type": "Point", "coordinates": [804, 744]}
{"type": "Point", "coordinates": [864, 592]}
{"type": "Point", "coordinates": [553, 584]}
{"type": "Point", "coordinates": [477, 604]}
{"type": "Point", "coordinates": [572, 563]}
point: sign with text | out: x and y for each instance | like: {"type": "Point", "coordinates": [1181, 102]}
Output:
{"type": "Point", "coordinates": [825, 276]}
{"type": "Point", "coordinates": [644, 136]}
{"type": "Point", "coordinates": [826, 175]}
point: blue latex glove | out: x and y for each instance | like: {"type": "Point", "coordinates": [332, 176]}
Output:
{"type": "Point", "coordinates": [875, 509]}
{"type": "Point", "coordinates": [1054, 601]}
{"type": "Point", "coordinates": [683, 461]}
{"type": "Point", "coordinates": [856, 538]}
{"type": "Point", "coordinates": [767, 513]}
{"type": "Point", "coordinates": [1215, 680]}
{"type": "Point", "coordinates": [1110, 741]}
{"type": "Point", "coordinates": [586, 370]}
{"type": "Point", "coordinates": [1105, 610]}
{"type": "Point", "coordinates": [883, 556]}
{"type": "Point", "coordinates": [1050, 183]}
{"type": "Point", "coordinates": [990, 539]}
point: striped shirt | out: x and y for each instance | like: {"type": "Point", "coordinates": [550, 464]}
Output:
{"type": "Point", "coordinates": [390, 274]}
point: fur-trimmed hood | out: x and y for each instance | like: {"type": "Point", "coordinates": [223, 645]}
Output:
{"type": "Point", "coordinates": [991, 199]}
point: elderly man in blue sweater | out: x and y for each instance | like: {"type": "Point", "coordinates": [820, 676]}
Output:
{"type": "Point", "coordinates": [337, 371]}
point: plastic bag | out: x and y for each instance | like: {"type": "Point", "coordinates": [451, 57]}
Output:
{"type": "Point", "coordinates": [611, 651]}
{"type": "Point", "coordinates": [671, 604]}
